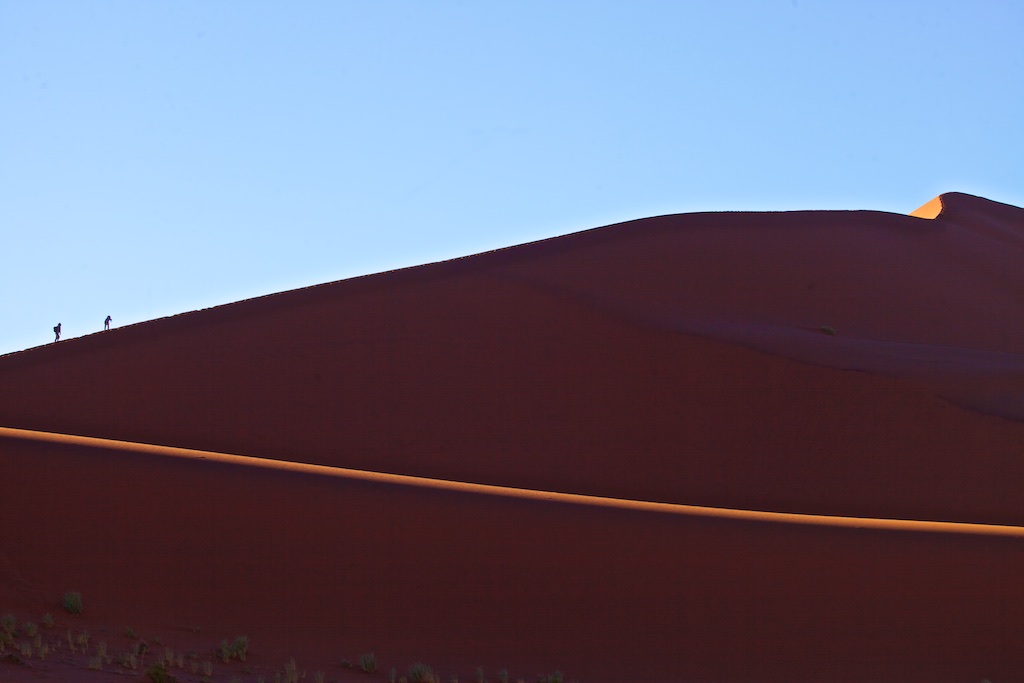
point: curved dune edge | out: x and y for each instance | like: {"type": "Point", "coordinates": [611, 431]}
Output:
{"type": "Point", "coordinates": [867, 523]}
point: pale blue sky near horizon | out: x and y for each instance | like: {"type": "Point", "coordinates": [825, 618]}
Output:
{"type": "Point", "coordinates": [164, 156]}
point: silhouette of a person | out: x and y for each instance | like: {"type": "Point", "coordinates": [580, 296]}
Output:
{"type": "Point", "coordinates": [106, 323]}
{"type": "Point", "coordinates": [56, 332]}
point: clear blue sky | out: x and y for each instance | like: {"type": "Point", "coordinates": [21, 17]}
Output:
{"type": "Point", "coordinates": [159, 157]}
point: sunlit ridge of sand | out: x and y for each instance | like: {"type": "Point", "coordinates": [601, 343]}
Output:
{"type": "Point", "coordinates": [929, 210]}
{"type": "Point", "coordinates": [866, 523]}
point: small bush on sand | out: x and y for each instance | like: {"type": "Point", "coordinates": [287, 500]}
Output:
{"type": "Point", "coordinates": [368, 662]}
{"type": "Point", "coordinates": [240, 647]}
{"type": "Point", "coordinates": [8, 623]}
{"type": "Point", "coordinates": [828, 329]}
{"type": "Point", "coordinates": [236, 649]}
{"type": "Point", "coordinates": [291, 671]}
{"type": "Point", "coordinates": [421, 673]}
{"type": "Point", "coordinates": [48, 620]}
{"type": "Point", "coordinates": [73, 602]}
{"type": "Point", "coordinates": [158, 673]}
{"type": "Point", "coordinates": [29, 629]}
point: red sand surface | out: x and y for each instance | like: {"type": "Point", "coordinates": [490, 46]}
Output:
{"type": "Point", "coordinates": [681, 360]}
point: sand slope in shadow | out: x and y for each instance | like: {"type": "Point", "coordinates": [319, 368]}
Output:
{"type": "Point", "coordinates": [678, 359]}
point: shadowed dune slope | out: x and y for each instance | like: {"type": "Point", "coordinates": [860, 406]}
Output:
{"type": "Point", "coordinates": [324, 567]}
{"type": "Point", "coordinates": [683, 359]}
{"type": "Point", "coordinates": [664, 359]}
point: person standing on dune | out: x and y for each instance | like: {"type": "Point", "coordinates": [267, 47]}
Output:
{"type": "Point", "coordinates": [56, 332]}
{"type": "Point", "coordinates": [106, 323]}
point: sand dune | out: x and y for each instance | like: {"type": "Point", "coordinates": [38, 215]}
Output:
{"type": "Point", "coordinates": [632, 453]}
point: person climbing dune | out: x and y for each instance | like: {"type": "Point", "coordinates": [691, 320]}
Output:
{"type": "Point", "coordinates": [106, 323]}
{"type": "Point", "coordinates": [56, 333]}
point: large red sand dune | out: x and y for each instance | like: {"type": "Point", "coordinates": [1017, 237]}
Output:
{"type": "Point", "coordinates": [684, 360]}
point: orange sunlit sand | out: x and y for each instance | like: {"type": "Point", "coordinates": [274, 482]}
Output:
{"type": "Point", "coordinates": [721, 446]}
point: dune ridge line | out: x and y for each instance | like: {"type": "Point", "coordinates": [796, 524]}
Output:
{"type": "Point", "coordinates": [867, 523]}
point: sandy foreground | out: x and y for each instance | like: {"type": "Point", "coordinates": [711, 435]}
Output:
{"type": "Point", "coordinates": [702, 447]}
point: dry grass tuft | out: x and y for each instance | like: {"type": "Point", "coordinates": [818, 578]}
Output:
{"type": "Point", "coordinates": [291, 671]}
{"type": "Point", "coordinates": [422, 673]}
{"type": "Point", "coordinates": [73, 602]}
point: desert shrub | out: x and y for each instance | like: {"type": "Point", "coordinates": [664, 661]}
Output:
{"type": "Point", "coordinates": [48, 620]}
{"type": "Point", "coordinates": [368, 662]}
{"type": "Point", "coordinates": [421, 673]}
{"type": "Point", "coordinates": [8, 623]}
{"type": "Point", "coordinates": [240, 647]}
{"type": "Point", "coordinates": [236, 649]}
{"type": "Point", "coordinates": [503, 676]}
{"type": "Point", "coordinates": [828, 329]}
{"type": "Point", "coordinates": [158, 673]}
{"type": "Point", "coordinates": [73, 602]}
{"type": "Point", "coordinates": [30, 629]}
{"type": "Point", "coordinates": [291, 671]}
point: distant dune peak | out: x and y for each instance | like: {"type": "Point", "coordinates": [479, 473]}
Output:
{"type": "Point", "coordinates": [929, 210]}
{"type": "Point", "coordinates": [961, 202]}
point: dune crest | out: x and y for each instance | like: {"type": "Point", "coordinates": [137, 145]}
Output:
{"type": "Point", "coordinates": [950, 204]}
